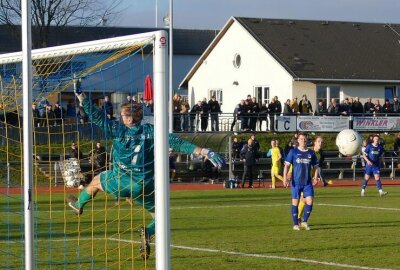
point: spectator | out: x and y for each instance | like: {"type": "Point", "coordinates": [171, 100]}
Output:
{"type": "Point", "coordinates": [249, 155]}
{"type": "Point", "coordinates": [396, 105]}
{"type": "Point", "coordinates": [48, 119]}
{"type": "Point", "coordinates": [377, 107]}
{"type": "Point", "coordinates": [195, 116]}
{"type": "Point", "coordinates": [172, 165]}
{"type": "Point", "coordinates": [35, 115]}
{"type": "Point", "coordinates": [215, 110]}
{"type": "Point", "coordinates": [345, 108]}
{"type": "Point", "coordinates": [273, 110]}
{"type": "Point", "coordinates": [245, 115]}
{"type": "Point", "coordinates": [241, 115]}
{"type": "Point", "coordinates": [287, 110]}
{"type": "Point", "coordinates": [236, 147]}
{"type": "Point", "coordinates": [75, 152]}
{"type": "Point", "coordinates": [108, 108]}
{"type": "Point", "coordinates": [278, 106]}
{"type": "Point", "coordinates": [256, 143]}
{"type": "Point", "coordinates": [99, 157]}
{"type": "Point", "coordinates": [369, 107]}
{"type": "Point", "coordinates": [235, 114]}
{"type": "Point", "coordinates": [295, 106]}
{"type": "Point", "coordinates": [148, 108]}
{"type": "Point", "coordinates": [333, 108]}
{"type": "Point", "coordinates": [357, 107]}
{"type": "Point", "coordinates": [305, 106]}
{"type": "Point", "coordinates": [184, 115]}
{"type": "Point", "coordinates": [205, 111]}
{"type": "Point", "coordinates": [263, 115]}
{"type": "Point", "coordinates": [59, 114]}
{"type": "Point", "coordinates": [176, 111]}
{"type": "Point", "coordinates": [387, 108]}
{"type": "Point", "coordinates": [320, 110]}
{"type": "Point", "coordinates": [254, 111]}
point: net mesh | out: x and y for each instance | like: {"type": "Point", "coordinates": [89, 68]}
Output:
{"type": "Point", "coordinates": [107, 235]}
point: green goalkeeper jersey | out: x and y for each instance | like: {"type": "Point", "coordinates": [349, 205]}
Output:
{"type": "Point", "coordinates": [133, 148]}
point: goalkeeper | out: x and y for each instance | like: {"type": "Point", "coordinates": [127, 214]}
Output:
{"type": "Point", "coordinates": [132, 174]}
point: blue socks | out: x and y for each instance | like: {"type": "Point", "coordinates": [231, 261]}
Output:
{"type": "Point", "coordinates": [295, 213]}
{"type": "Point", "coordinates": [307, 212]}
{"type": "Point", "coordinates": [365, 183]}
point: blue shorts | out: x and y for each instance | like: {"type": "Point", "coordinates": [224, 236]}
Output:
{"type": "Point", "coordinates": [372, 170]}
{"type": "Point", "coordinates": [308, 191]}
{"type": "Point", "coordinates": [121, 185]}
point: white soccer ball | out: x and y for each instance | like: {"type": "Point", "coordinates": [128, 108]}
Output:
{"type": "Point", "coordinates": [349, 142]}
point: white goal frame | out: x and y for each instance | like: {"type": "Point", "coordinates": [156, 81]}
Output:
{"type": "Point", "coordinates": [159, 39]}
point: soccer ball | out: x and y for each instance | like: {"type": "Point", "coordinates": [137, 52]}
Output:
{"type": "Point", "coordinates": [349, 142]}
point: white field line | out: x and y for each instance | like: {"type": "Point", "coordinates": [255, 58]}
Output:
{"type": "Point", "coordinates": [242, 254]}
{"type": "Point", "coordinates": [246, 206]}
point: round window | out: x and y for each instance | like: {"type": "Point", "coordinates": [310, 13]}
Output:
{"type": "Point", "coordinates": [237, 60]}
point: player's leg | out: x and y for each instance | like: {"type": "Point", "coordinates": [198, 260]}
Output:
{"type": "Point", "coordinates": [273, 181]}
{"type": "Point", "coordinates": [309, 195]}
{"type": "Point", "coordinates": [143, 194]}
{"type": "Point", "coordinates": [294, 208]}
{"type": "Point", "coordinates": [77, 204]}
{"type": "Point", "coordinates": [368, 172]}
{"type": "Point", "coordinates": [379, 184]}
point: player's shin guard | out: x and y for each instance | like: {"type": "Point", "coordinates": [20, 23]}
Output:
{"type": "Point", "coordinates": [83, 199]}
{"type": "Point", "coordinates": [295, 213]}
{"type": "Point", "coordinates": [301, 208]}
{"type": "Point", "coordinates": [379, 184]}
{"type": "Point", "coordinates": [307, 212]}
{"type": "Point", "coordinates": [365, 183]}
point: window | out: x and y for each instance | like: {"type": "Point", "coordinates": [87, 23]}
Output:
{"type": "Point", "coordinates": [327, 92]}
{"type": "Point", "coordinates": [262, 94]}
{"type": "Point", "coordinates": [217, 93]}
{"type": "Point", "coordinates": [390, 92]}
{"type": "Point", "coordinates": [237, 60]}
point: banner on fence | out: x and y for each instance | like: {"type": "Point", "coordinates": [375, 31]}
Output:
{"type": "Point", "coordinates": [324, 123]}
{"type": "Point", "coordinates": [286, 123]}
{"type": "Point", "coordinates": [376, 123]}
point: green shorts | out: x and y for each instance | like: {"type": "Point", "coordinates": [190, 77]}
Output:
{"type": "Point", "coordinates": [121, 185]}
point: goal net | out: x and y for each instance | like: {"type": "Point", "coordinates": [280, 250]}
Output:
{"type": "Point", "coordinates": [69, 150]}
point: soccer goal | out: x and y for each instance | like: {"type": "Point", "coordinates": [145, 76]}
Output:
{"type": "Point", "coordinates": [107, 235]}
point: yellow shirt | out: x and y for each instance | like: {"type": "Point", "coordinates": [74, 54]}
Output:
{"type": "Point", "coordinates": [275, 154]}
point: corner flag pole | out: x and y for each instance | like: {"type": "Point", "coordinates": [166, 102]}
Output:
{"type": "Point", "coordinates": [27, 130]}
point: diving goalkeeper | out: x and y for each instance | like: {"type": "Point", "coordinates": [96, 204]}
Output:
{"type": "Point", "coordinates": [132, 174]}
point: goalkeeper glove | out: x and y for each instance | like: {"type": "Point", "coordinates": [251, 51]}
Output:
{"type": "Point", "coordinates": [78, 89]}
{"type": "Point", "coordinates": [216, 159]}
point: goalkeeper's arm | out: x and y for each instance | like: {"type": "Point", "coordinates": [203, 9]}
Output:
{"type": "Point", "coordinates": [216, 159]}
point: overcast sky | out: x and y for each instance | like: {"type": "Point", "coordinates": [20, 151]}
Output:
{"type": "Point", "coordinates": [213, 14]}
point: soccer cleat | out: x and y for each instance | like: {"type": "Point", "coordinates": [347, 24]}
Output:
{"type": "Point", "coordinates": [330, 182]}
{"type": "Point", "coordinates": [305, 226]}
{"type": "Point", "coordinates": [272, 186]}
{"type": "Point", "coordinates": [383, 193]}
{"type": "Point", "coordinates": [145, 244]}
{"type": "Point", "coordinates": [296, 228]}
{"type": "Point", "coordinates": [71, 201]}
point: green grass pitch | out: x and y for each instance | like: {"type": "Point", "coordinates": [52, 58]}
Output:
{"type": "Point", "coordinates": [219, 229]}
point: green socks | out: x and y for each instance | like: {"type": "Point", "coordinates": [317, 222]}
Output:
{"type": "Point", "coordinates": [83, 199]}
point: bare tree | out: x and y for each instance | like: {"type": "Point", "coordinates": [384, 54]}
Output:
{"type": "Point", "coordinates": [48, 13]}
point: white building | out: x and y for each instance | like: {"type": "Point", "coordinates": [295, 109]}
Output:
{"type": "Point", "coordinates": [288, 58]}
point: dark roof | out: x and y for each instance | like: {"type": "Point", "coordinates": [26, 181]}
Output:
{"type": "Point", "coordinates": [186, 42]}
{"type": "Point", "coordinates": [326, 50]}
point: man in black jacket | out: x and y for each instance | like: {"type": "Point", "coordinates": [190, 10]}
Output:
{"type": "Point", "coordinates": [215, 110]}
{"type": "Point", "coordinates": [249, 155]}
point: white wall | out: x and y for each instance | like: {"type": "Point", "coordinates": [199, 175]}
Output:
{"type": "Point", "coordinates": [305, 88]}
{"type": "Point", "coordinates": [258, 68]}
